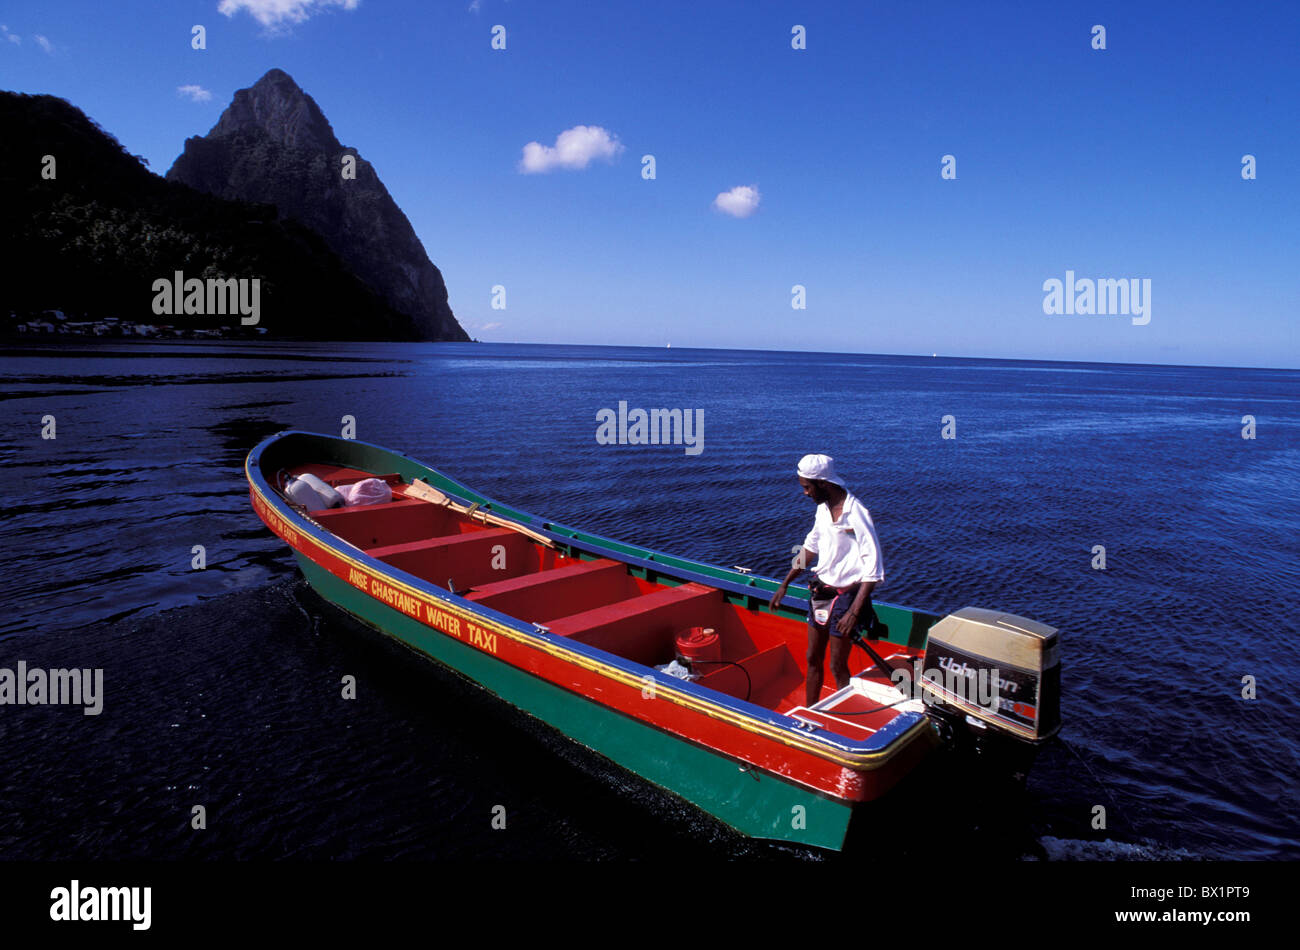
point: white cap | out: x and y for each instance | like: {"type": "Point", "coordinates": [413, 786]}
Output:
{"type": "Point", "coordinates": [819, 468]}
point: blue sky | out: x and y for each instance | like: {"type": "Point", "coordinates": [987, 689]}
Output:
{"type": "Point", "coordinates": [1115, 163]}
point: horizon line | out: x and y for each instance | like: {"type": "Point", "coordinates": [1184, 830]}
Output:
{"type": "Point", "coordinates": [751, 349]}
{"type": "Point", "coordinates": [18, 344]}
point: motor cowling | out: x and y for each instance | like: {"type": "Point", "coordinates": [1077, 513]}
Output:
{"type": "Point", "coordinates": [994, 678]}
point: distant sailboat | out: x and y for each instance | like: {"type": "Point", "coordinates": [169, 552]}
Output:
{"type": "Point", "coordinates": [670, 346]}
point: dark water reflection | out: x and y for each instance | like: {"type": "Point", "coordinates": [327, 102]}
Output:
{"type": "Point", "coordinates": [1199, 527]}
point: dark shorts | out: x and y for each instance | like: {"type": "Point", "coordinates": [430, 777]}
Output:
{"type": "Point", "coordinates": [836, 603]}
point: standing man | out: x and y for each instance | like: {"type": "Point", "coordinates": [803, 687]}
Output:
{"type": "Point", "coordinates": [849, 566]}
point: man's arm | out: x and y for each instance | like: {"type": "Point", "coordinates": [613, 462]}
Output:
{"type": "Point", "coordinates": [800, 565]}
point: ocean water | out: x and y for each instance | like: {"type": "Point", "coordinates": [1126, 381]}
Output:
{"type": "Point", "coordinates": [222, 683]}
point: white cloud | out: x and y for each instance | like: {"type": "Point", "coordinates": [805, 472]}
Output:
{"type": "Point", "coordinates": [491, 326]}
{"type": "Point", "coordinates": [194, 93]}
{"type": "Point", "coordinates": [43, 43]}
{"type": "Point", "coordinates": [739, 202]}
{"type": "Point", "coordinates": [11, 37]}
{"type": "Point", "coordinates": [475, 6]}
{"type": "Point", "coordinates": [278, 13]}
{"type": "Point", "coordinates": [573, 148]}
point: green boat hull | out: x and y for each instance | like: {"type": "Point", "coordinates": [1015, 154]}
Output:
{"type": "Point", "coordinates": [753, 803]}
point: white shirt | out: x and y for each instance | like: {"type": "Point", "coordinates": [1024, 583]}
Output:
{"type": "Point", "coordinates": [847, 550]}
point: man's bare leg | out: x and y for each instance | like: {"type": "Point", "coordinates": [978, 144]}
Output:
{"type": "Point", "coordinates": [817, 637]}
{"type": "Point", "coordinates": [841, 647]}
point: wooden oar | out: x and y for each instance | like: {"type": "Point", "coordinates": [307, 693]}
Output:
{"type": "Point", "coordinates": [426, 492]}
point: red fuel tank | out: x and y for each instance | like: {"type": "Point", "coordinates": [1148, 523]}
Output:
{"type": "Point", "coordinates": [699, 643]}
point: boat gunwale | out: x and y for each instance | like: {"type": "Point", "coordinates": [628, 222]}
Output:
{"type": "Point", "coordinates": [857, 754]}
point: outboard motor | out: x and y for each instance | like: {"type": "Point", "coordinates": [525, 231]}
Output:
{"type": "Point", "coordinates": [992, 681]}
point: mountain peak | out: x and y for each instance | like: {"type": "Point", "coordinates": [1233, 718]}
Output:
{"type": "Point", "coordinates": [276, 106]}
{"type": "Point", "coordinates": [277, 75]}
{"type": "Point", "coordinates": [274, 146]}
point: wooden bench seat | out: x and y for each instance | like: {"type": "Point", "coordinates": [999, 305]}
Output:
{"type": "Point", "coordinates": [560, 591]}
{"type": "Point", "coordinates": [370, 526]}
{"type": "Point", "coordinates": [642, 628]}
{"type": "Point", "coordinates": [469, 560]}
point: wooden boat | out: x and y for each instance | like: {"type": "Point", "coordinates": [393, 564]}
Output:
{"type": "Point", "coordinates": [572, 628]}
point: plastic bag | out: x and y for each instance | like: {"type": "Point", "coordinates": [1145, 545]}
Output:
{"type": "Point", "coordinates": [676, 669]}
{"type": "Point", "coordinates": [368, 491]}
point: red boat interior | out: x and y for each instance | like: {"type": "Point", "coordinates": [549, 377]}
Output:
{"type": "Point", "coordinates": [601, 602]}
